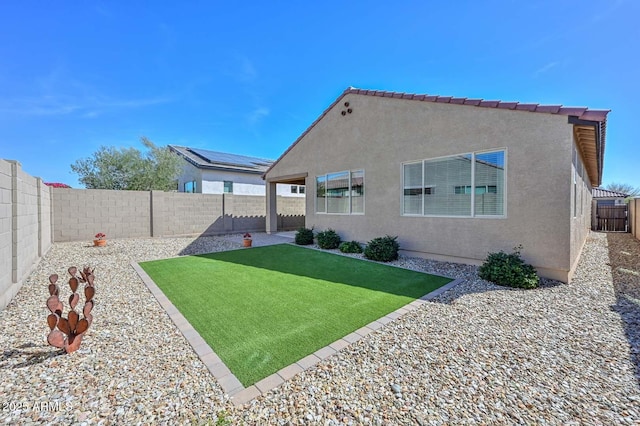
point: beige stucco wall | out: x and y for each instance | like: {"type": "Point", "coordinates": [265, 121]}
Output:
{"type": "Point", "coordinates": [581, 216]}
{"type": "Point", "coordinates": [382, 133]}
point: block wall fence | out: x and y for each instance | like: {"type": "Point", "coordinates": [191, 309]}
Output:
{"type": "Point", "coordinates": [634, 217]}
{"type": "Point", "coordinates": [33, 216]}
{"type": "Point", "coordinates": [78, 214]}
{"type": "Point", "coordinates": [25, 226]}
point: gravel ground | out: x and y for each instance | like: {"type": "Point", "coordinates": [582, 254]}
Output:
{"type": "Point", "coordinates": [478, 354]}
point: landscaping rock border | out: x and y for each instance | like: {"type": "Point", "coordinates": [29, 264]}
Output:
{"type": "Point", "coordinates": [479, 353]}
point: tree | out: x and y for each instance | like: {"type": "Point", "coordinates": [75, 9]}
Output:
{"type": "Point", "coordinates": [129, 169]}
{"type": "Point", "coordinates": [624, 188]}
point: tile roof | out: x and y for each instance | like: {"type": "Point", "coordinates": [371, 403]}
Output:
{"type": "Point", "coordinates": [582, 113]}
{"type": "Point", "coordinates": [605, 193]}
{"type": "Point", "coordinates": [206, 159]}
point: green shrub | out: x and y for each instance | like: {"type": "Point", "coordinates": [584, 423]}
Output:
{"type": "Point", "coordinates": [304, 236]}
{"type": "Point", "coordinates": [382, 249]}
{"type": "Point", "coordinates": [350, 247]}
{"type": "Point", "coordinates": [328, 239]}
{"type": "Point", "coordinates": [509, 270]}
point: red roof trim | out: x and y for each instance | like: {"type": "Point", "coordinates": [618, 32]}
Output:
{"type": "Point", "coordinates": [581, 112]}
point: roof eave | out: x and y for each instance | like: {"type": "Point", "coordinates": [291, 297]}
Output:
{"type": "Point", "coordinates": [590, 139]}
{"type": "Point", "coordinates": [308, 129]}
{"type": "Point", "coordinates": [594, 118]}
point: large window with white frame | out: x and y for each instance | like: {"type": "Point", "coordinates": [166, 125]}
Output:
{"type": "Point", "coordinates": [340, 193]}
{"type": "Point", "coordinates": [466, 185]}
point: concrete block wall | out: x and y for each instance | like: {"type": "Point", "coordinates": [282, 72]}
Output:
{"type": "Point", "coordinates": [25, 226]}
{"type": "Point", "coordinates": [634, 217]}
{"type": "Point", "coordinates": [186, 214]}
{"type": "Point", "coordinates": [291, 211]}
{"type": "Point", "coordinates": [79, 214]}
{"type": "Point", "coordinates": [46, 215]}
{"type": "Point", "coordinates": [246, 212]}
{"type": "Point", "coordinates": [26, 247]}
{"type": "Point", "coordinates": [6, 235]}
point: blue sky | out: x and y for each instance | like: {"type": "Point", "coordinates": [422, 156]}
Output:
{"type": "Point", "coordinates": [249, 77]}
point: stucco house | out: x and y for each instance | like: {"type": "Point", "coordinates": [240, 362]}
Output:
{"type": "Point", "coordinates": [453, 178]}
{"type": "Point", "coordinates": [213, 172]}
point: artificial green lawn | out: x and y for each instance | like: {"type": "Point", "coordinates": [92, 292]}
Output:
{"type": "Point", "coordinates": [263, 308]}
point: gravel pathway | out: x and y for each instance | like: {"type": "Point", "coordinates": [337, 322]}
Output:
{"type": "Point", "coordinates": [478, 354]}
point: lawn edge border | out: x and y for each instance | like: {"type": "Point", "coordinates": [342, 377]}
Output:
{"type": "Point", "coordinates": [230, 384]}
{"type": "Point", "coordinates": [350, 255]}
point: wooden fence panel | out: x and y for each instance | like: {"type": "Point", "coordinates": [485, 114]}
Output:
{"type": "Point", "coordinates": [612, 218]}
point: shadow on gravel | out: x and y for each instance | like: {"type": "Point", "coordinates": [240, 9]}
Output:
{"type": "Point", "coordinates": [29, 357]}
{"type": "Point", "coordinates": [624, 259]}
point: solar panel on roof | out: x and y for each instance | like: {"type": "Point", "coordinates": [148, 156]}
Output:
{"type": "Point", "coordinates": [231, 159]}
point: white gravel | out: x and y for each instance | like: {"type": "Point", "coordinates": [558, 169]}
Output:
{"type": "Point", "coordinates": [478, 354]}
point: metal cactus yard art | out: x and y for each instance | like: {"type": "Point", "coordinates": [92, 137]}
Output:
{"type": "Point", "coordinates": [70, 330]}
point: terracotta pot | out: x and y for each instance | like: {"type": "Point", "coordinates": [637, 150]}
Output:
{"type": "Point", "coordinates": [247, 242]}
{"type": "Point", "coordinates": [99, 243]}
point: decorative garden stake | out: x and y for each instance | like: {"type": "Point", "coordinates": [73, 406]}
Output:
{"type": "Point", "coordinates": [70, 330]}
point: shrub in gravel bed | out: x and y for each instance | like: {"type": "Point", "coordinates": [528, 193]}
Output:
{"type": "Point", "coordinates": [509, 270]}
{"type": "Point", "coordinates": [328, 239]}
{"type": "Point", "coordinates": [382, 249]}
{"type": "Point", "coordinates": [350, 247]}
{"type": "Point", "coordinates": [304, 236]}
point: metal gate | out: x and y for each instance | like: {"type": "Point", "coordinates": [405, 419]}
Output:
{"type": "Point", "coordinates": [612, 218]}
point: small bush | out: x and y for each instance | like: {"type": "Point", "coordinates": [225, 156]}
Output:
{"type": "Point", "coordinates": [304, 236]}
{"type": "Point", "coordinates": [350, 247]}
{"type": "Point", "coordinates": [382, 249]}
{"type": "Point", "coordinates": [328, 239]}
{"type": "Point", "coordinates": [509, 270]}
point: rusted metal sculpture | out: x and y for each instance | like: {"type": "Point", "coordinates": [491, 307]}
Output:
{"type": "Point", "coordinates": [70, 330]}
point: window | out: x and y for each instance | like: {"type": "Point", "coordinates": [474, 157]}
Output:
{"type": "Point", "coordinates": [341, 192]}
{"type": "Point", "coordinates": [228, 187]}
{"type": "Point", "coordinates": [488, 178]}
{"type": "Point", "coordinates": [301, 189]}
{"type": "Point", "coordinates": [338, 192]}
{"type": "Point", "coordinates": [294, 189]}
{"type": "Point", "coordinates": [413, 188]}
{"type": "Point", "coordinates": [190, 186]}
{"type": "Point", "coordinates": [357, 191]}
{"type": "Point", "coordinates": [581, 191]}
{"type": "Point", "coordinates": [321, 194]}
{"type": "Point", "coordinates": [453, 173]}
{"type": "Point", "coordinates": [574, 163]}
{"type": "Point", "coordinates": [467, 185]}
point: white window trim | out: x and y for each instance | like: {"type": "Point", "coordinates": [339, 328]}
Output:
{"type": "Point", "coordinates": [326, 180]}
{"type": "Point", "coordinates": [473, 157]}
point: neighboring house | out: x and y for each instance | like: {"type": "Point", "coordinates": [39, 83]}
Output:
{"type": "Point", "coordinates": [211, 172]}
{"type": "Point", "coordinates": [605, 197]}
{"type": "Point", "coordinates": [453, 178]}
{"type": "Point", "coordinates": [609, 211]}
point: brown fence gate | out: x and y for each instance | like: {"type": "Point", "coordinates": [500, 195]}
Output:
{"type": "Point", "coordinates": [612, 218]}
